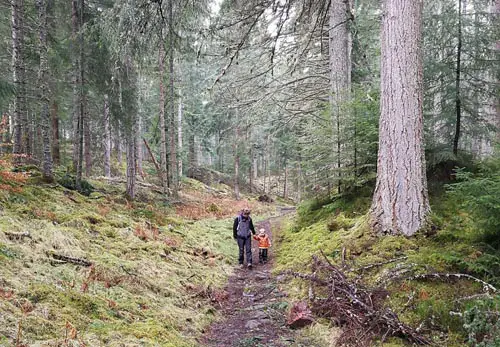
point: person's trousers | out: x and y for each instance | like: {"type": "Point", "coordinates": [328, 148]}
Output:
{"type": "Point", "coordinates": [262, 255]}
{"type": "Point", "coordinates": [245, 244]}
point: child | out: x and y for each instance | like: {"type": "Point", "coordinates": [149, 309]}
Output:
{"type": "Point", "coordinates": [264, 244]}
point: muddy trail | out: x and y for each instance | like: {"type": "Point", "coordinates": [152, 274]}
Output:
{"type": "Point", "coordinates": [255, 311]}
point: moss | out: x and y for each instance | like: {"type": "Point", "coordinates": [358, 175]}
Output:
{"type": "Point", "coordinates": [137, 296]}
{"type": "Point", "coordinates": [449, 246]}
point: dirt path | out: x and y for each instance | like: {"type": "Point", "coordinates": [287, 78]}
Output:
{"type": "Point", "coordinates": [255, 311]}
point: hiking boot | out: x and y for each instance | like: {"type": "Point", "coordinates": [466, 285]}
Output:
{"type": "Point", "coordinates": [249, 265]}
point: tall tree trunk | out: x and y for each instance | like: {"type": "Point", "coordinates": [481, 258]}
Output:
{"type": "Point", "coordinates": [173, 151]}
{"type": "Point", "coordinates": [107, 138]}
{"type": "Point", "coordinates": [4, 133]}
{"type": "Point", "coordinates": [43, 81]}
{"type": "Point", "coordinates": [237, 159]}
{"type": "Point", "coordinates": [299, 181]}
{"type": "Point", "coordinates": [75, 56]}
{"type": "Point", "coordinates": [400, 202]}
{"type": "Point", "coordinates": [193, 159]}
{"type": "Point", "coordinates": [118, 147]}
{"type": "Point", "coordinates": [56, 152]}
{"type": "Point", "coordinates": [458, 70]}
{"type": "Point", "coordinates": [340, 46]}
{"type": "Point", "coordinates": [163, 130]}
{"type": "Point", "coordinates": [17, 76]}
{"type": "Point", "coordinates": [81, 101]}
{"type": "Point", "coordinates": [285, 183]}
{"type": "Point", "coordinates": [131, 165]}
{"type": "Point", "coordinates": [250, 168]}
{"type": "Point", "coordinates": [139, 146]}
{"type": "Point", "coordinates": [26, 128]}
{"type": "Point", "coordinates": [496, 14]}
{"type": "Point", "coordinates": [179, 135]}
{"type": "Point", "coordinates": [87, 138]}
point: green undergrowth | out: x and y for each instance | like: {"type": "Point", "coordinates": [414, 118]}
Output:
{"type": "Point", "coordinates": [450, 311]}
{"type": "Point", "coordinates": [152, 279]}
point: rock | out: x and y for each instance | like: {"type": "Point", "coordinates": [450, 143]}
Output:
{"type": "Point", "coordinates": [255, 323]}
{"type": "Point", "coordinates": [252, 324]}
{"type": "Point", "coordinates": [259, 315]}
{"type": "Point", "coordinates": [300, 316]}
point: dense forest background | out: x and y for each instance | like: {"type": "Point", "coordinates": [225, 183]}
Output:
{"type": "Point", "coordinates": [277, 93]}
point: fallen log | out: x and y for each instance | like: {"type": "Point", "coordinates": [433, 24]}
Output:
{"type": "Point", "coordinates": [67, 259]}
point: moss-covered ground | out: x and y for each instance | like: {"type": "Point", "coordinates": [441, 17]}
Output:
{"type": "Point", "coordinates": [440, 309]}
{"type": "Point", "coordinates": [156, 267]}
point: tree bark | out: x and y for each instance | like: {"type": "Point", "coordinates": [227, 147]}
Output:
{"type": "Point", "coordinates": [285, 183]}
{"type": "Point", "coordinates": [81, 100]}
{"type": "Point", "coordinates": [56, 151]}
{"type": "Point", "coordinates": [75, 80]}
{"type": "Point", "coordinates": [163, 130]}
{"type": "Point", "coordinates": [173, 151]}
{"type": "Point", "coordinates": [237, 160]}
{"type": "Point", "coordinates": [179, 135]}
{"type": "Point", "coordinates": [44, 91]}
{"type": "Point", "coordinates": [139, 146]}
{"type": "Point", "coordinates": [107, 138]}
{"type": "Point", "coordinates": [193, 158]}
{"type": "Point", "coordinates": [118, 147]}
{"type": "Point", "coordinates": [17, 76]}
{"type": "Point", "coordinates": [87, 138]}
{"type": "Point", "coordinates": [496, 12]}
{"type": "Point", "coordinates": [340, 46]}
{"type": "Point", "coordinates": [458, 70]}
{"type": "Point", "coordinates": [400, 203]}
{"type": "Point", "coordinates": [131, 165]}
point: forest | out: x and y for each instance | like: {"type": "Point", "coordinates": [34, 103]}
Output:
{"type": "Point", "coordinates": [362, 136]}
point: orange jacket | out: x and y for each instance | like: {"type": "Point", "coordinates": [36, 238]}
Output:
{"type": "Point", "coordinates": [264, 241]}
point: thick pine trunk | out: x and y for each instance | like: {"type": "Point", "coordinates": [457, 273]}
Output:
{"type": "Point", "coordinates": [43, 83]}
{"type": "Point", "coordinates": [163, 130]}
{"type": "Point", "coordinates": [400, 202]}
{"type": "Point", "coordinates": [107, 138]}
{"type": "Point", "coordinates": [340, 44]}
{"type": "Point", "coordinates": [56, 151]}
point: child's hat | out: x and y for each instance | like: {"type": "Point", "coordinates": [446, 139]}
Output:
{"type": "Point", "coordinates": [262, 231]}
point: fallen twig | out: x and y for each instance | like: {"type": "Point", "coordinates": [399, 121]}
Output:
{"type": "Point", "coordinates": [443, 276]}
{"type": "Point", "coordinates": [371, 266]}
{"type": "Point", "coordinates": [67, 259]}
{"type": "Point", "coordinates": [358, 309]}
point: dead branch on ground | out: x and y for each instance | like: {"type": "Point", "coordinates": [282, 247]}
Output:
{"type": "Point", "coordinates": [359, 310]}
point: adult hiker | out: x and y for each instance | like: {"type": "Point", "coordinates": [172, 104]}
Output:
{"type": "Point", "coordinates": [242, 231]}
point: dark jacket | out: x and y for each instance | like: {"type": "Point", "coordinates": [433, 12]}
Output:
{"type": "Point", "coordinates": [235, 226]}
